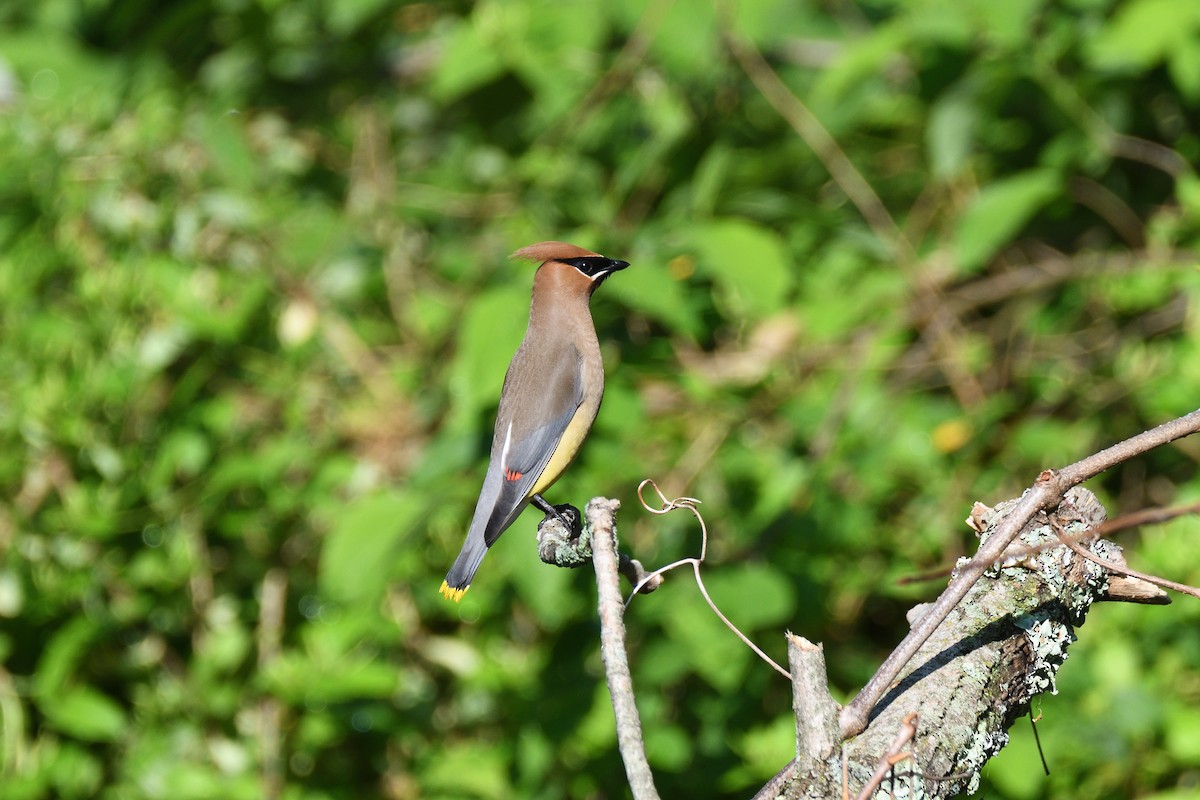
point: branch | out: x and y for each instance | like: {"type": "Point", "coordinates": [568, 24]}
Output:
{"type": "Point", "coordinates": [815, 711]}
{"type": "Point", "coordinates": [601, 522]}
{"type": "Point", "coordinates": [814, 707]}
{"type": "Point", "coordinates": [1123, 586]}
{"type": "Point", "coordinates": [998, 649]}
{"type": "Point", "coordinates": [1045, 494]}
{"type": "Point", "coordinates": [1122, 569]}
{"type": "Point", "coordinates": [272, 604]}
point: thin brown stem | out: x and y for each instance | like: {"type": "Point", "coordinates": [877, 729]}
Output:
{"type": "Point", "coordinates": [649, 580]}
{"type": "Point", "coordinates": [943, 328]}
{"type": "Point", "coordinates": [272, 605]}
{"type": "Point", "coordinates": [1147, 516]}
{"type": "Point", "coordinates": [1120, 569]}
{"type": "Point", "coordinates": [1135, 519]}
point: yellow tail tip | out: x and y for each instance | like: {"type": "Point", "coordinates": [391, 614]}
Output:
{"type": "Point", "coordinates": [453, 594]}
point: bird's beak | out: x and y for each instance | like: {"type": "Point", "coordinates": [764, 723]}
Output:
{"type": "Point", "coordinates": [613, 266]}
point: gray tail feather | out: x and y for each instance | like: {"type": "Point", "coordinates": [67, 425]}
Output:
{"type": "Point", "coordinates": [469, 558]}
{"type": "Point", "coordinates": [493, 514]}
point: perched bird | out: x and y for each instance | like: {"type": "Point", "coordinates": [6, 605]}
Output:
{"type": "Point", "coordinates": [549, 400]}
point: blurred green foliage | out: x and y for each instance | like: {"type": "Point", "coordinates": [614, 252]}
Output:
{"type": "Point", "coordinates": [255, 310]}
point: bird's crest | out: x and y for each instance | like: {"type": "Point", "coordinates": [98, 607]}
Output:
{"type": "Point", "coordinates": [549, 251]}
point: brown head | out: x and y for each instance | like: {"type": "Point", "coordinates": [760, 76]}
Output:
{"type": "Point", "coordinates": [568, 270]}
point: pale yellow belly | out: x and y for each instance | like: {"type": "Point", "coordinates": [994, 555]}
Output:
{"type": "Point", "coordinates": [568, 446]}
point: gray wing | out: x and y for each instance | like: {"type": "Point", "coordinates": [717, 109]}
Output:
{"type": "Point", "coordinates": [538, 403]}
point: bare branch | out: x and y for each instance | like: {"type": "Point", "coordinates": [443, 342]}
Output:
{"type": "Point", "coordinates": [775, 787]}
{"type": "Point", "coordinates": [1046, 493]}
{"type": "Point", "coordinates": [637, 576]}
{"type": "Point", "coordinates": [1121, 569]}
{"type": "Point", "coordinates": [601, 521]}
{"type": "Point", "coordinates": [272, 604]}
{"type": "Point", "coordinates": [815, 709]}
{"type": "Point", "coordinates": [1148, 516]}
{"type": "Point", "coordinates": [1134, 519]}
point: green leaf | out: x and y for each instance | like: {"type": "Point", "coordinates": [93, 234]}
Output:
{"type": "Point", "coordinates": [669, 747]}
{"type": "Point", "coordinates": [468, 769]}
{"type": "Point", "coordinates": [765, 747]}
{"type": "Point", "coordinates": [73, 771]}
{"type": "Point", "coordinates": [748, 262]}
{"type": "Point", "coordinates": [346, 16]}
{"type": "Point", "coordinates": [491, 330]}
{"type": "Point", "coordinates": [1017, 769]}
{"type": "Point", "coordinates": [660, 291]}
{"type": "Point", "coordinates": [1184, 67]}
{"type": "Point", "coordinates": [61, 655]}
{"type": "Point", "coordinates": [951, 134]}
{"type": "Point", "coordinates": [858, 60]}
{"type": "Point", "coordinates": [1183, 734]}
{"type": "Point", "coordinates": [1143, 33]}
{"type": "Point", "coordinates": [1008, 23]}
{"type": "Point", "coordinates": [999, 213]}
{"type": "Point", "coordinates": [699, 633]}
{"type": "Point", "coordinates": [467, 62]}
{"type": "Point", "coordinates": [308, 680]}
{"type": "Point", "coordinates": [356, 558]}
{"type": "Point", "coordinates": [84, 713]}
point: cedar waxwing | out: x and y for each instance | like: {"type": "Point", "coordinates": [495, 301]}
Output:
{"type": "Point", "coordinates": [549, 400]}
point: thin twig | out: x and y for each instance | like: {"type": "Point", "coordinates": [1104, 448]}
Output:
{"type": "Point", "coordinates": [907, 732]}
{"type": "Point", "coordinates": [1044, 273]}
{"type": "Point", "coordinates": [805, 123]}
{"type": "Point", "coordinates": [690, 504]}
{"type": "Point", "coordinates": [615, 78]}
{"type": "Point", "coordinates": [773, 788]}
{"type": "Point", "coordinates": [1134, 519]}
{"type": "Point", "coordinates": [272, 607]}
{"type": "Point", "coordinates": [1120, 569]}
{"type": "Point", "coordinates": [1045, 494]}
{"type": "Point", "coordinates": [1037, 739]}
{"type": "Point", "coordinates": [943, 328]}
{"type": "Point", "coordinates": [1147, 516]}
{"type": "Point", "coordinates": [601, 520]}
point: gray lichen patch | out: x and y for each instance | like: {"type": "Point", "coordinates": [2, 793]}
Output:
{"type": "Point", "coordinates": [986, 743]}
{"type": "Point", "coordinates": [1048, 641]}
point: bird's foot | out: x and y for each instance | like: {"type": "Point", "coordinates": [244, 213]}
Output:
{"type": "Point", "coordinates": [561, 538]}
{"type": "Point", "coordinates": [567, 514]}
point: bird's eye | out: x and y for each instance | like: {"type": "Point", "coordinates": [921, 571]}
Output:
{"type": "Point", "coordinates": [594, 265]}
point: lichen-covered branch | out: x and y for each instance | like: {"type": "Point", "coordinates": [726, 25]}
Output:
{"type": "Point", "coordinates": [999, 648]}
{"type": "Point", "coordinates": [1046, 493]}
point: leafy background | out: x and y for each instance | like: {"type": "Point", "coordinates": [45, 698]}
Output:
{"type": "Point", "coordinates": [255, 308]}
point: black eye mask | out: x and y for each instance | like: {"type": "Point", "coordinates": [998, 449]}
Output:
{"type": "Point", "coordinates": [595, 266]}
